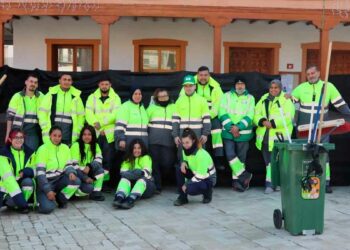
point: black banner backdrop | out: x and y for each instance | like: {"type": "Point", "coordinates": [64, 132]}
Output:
{"type": "Point", "coordinates": [257, 84]}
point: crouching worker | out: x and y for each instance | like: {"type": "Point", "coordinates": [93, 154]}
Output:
{"type": "Point", "coordinates": [9, 187]}
{"type": "Point", "coordinates": [197, 167]}
{"type": "Point", "coordinates": [87, 161]}
{"type": "Point", "coordinates": [136, 176]}
{"type": "Point", "coordinates": [56, 177]}
{"type": "Point", "coordinates": [22, 163]}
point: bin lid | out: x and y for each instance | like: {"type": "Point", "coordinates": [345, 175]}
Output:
{"type": "Point", "coordinates": [301, 144]}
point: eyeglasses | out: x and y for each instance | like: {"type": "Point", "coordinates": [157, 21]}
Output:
{"type": "Point", "coordinates": [19, 138]}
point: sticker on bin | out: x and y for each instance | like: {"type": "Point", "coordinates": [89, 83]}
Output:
{"type": "Point", "coordinates": [312, 191]}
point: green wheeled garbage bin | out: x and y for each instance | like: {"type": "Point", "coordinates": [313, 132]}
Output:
{"type": "Point", "coordinates": [299, 169]}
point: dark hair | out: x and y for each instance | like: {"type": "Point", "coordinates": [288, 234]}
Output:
{"type": "Point", "coordinates": [104, 78]}
{"type": "Point", "coordinates": [158, 90]}
{"type": "Point", "coordinates": [92, 143]}
{"type": "Point", "coordinates": [203, 68]}
{"type": "Point", "coordinates": [32, 75]}
{"type": "Point", "coordinates": [13, 134]}
{"type": "Point", "coordinates": [55, 127]}
{"type": "Point", "coordinates": [129, 156]}
{"type": "Point", "coordinates": [191, 134]}
{"type": "Point", "coordinates": [312, 66]}
{"type": "Point", "coordinates": [64, 74]}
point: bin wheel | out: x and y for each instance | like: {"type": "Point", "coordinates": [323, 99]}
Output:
{"type": "Point", "coordinates": [277, 218]}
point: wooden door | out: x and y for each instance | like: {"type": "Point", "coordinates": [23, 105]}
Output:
{"type": "Point", "coordinates": [340, 61]}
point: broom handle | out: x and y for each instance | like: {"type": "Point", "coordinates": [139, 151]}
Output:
{"type": "Point", "coordinates": [324, 93]}
{"type": "Point", "coordinates": [3, 78]}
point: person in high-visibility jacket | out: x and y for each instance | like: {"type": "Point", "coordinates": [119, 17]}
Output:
{"type": "Point", "coordinates": [9, 185]}
{"type": "Point", "coordinates": [22, 112]}
{"type": "Point", "coordinates": [136, 176]}
{"type": "Point", "coordinates": [161, 143]}
{"type": "Point", "coordinates": [308, 95]}
{"type": "Point", "coordinates": [62, 106]}
{"type": "Point", "coordinates": [22, 161]}
{"type": "Point", "coordinates": [273, 117]}
{"type": "Point", "coordinates": [101, 112]}
{"type": "Point", "coordinates": [197, 167]}
{"type": "Point", "coordinates": [56, 177]}
{"type": "Point", "coordinates": [191, 111]}
{"type": "Point", "coordinates": [87, 160]}
{"type": "Point", "coordinates": [210, 90]}
{"type": "Point", "coordinates": [236, 113]}
{"type": "Point", "coordinates": [132, 121]}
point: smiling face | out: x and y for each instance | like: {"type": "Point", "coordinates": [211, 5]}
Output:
{"type": "Point", "coordinates": [137, 151]}
{"type": "Point", "coordinates": [187, 142]}
{"type": "Point", "coordinates": [163, 96]}
{"type": "Point", "coordinates": [31, 83]}
{"type": "Point", "coordinates": [65, 82]}
{"type": "Point", "coordinates": [312, 75]}
{"type": "Point", "coordinates": [274, 89]}
{"type": "Point", "coordinates": [87, 136]}
{"type": "Point", "coordinates": [56, 136]}
{"type": "Point", "coordinates": [17, 141]}
{"type": "Point", "coordinates": [137, 96]}
{"type": "Point", "coordinates": [189, 89]}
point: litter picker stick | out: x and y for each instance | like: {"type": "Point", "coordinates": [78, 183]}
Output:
{"type": "Point", "coordinates": [317, 117]}
{"type": "Point", "coordinates": [324, 93]}
{"type": "Point", "coordinates": [3, 78]}
{"type": "Point", "coordinates": [311, 119]}
{"type": "Point", "coordinates": [284, 121]}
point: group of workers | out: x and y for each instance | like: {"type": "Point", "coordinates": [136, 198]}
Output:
{"type": "Point", "coordinates": [56, 148]}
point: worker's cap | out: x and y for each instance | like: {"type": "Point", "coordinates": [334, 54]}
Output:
{"type": "Point", "coordinates": [239, 82]}
{"type": "Point", "coordinates": [188, 80]}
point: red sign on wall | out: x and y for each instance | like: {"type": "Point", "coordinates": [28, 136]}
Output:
{"type": "Point", "coordinates": [290, 65]}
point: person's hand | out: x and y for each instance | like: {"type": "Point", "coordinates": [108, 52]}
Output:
{"type": "Point", "coordinates": [177, 141]}
{"type": "Point", "coordinates": [89, 180]}
{"type": "Point", "coordinates": [51, 195]}
{"type": "Point", "coordinates": [203, 139]}
{"type": "Point", "coordinates": [72, 177]}
{"type": "Point", "coordinates": [235, 131]}
{"type": "Point", "coordinates": [86, 170]}
{"type": "Point", "coordinates": [97, 125]}
{"type": "Point", "coordinates": [122, 145]}
{"type": "Point", "coordinates": [267, 124]}
{"type": "Point", "coordinates": [287, 96]}
{"type": "Point", "coordinates": [183, 167]}
{"type": "Point", "coordinates": [184, 188]}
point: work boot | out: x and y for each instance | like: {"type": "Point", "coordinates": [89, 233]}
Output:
{"type": "Point", "coordinates": [181, 200]}
{"type": "Point", "coordinates": [329, 189]}
{"type": "Point", "coordinates": [244, 179]}
{"type": "Point", "coordinates": [118, 200]}
{"type": "Point", "coordinates": [128, 203]}
{"type": "Point", "coordinates": [268, 190]}
{"type": "Point", "coordinates": [207, 197]}
{"type": "Point", "coordinates": [237, 186]}
{"type": "Point", "coordinates": [61, 202]}
{"type": "Point", "coordinates": [96, 196]}
{"type": "Point", "coordinates": [23, 210]}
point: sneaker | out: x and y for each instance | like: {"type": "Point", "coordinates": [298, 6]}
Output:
{"type": "Point", "coordinates": [23, 210]}
{"type": "Point", "coordinates": [181, 200]}
{"type": "Point", "coordinates": [128, 203]}
{"type": "Point", "coordinates": [96, 196]}
{"type": "Point", "coordinates": [237, 186]}
{"type": "Point", "coordinates": [268, 190]}
{"type": "Point", "coordinates": [118, 200]}
{"type": "Point", "coordinates": [329, 189]}
{"type": "Point", "coordinates": [244, 179]}
{"type": "Point", "coordinates": [208, 196]}
{"type": "Point", "coordinates": [60, 202]}
{"type": "Point", "coordinates": [158, 191]}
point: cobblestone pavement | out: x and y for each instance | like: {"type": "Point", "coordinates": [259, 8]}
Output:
{"type": "Point", "coordinates": [231, 221]}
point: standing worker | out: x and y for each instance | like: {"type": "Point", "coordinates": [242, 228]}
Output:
{"type": "Point", "coordinates": [101, 112]}
{"type": "Point", "coordinates": [236, 114]}
{"type": "Point", "coordinates": [62, 106]}
{"type": "Point", "coordinates": [22, 112]}
{"type": "Point", "coordinates": [191, 111]}
{"type": "Point", "coordinates": [273, 116]}
{"type": "Point", "coordinates": [308, 95]}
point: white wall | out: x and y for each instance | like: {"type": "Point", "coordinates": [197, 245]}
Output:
{"type": "Point", "coordinates": [30, 34]}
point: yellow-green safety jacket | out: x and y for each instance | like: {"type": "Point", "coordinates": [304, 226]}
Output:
{"type": "Point", "coordinates": [237, 110]}
{"type": "Point", "coordinates": [104, 113]}
{"type": "Point", "coordinates": [200, 163]}
{"type": "Point", "coordinates": [266, 110]}
{"type": "Point", "coordinates": [69, 111]}
{"type": "Point", "coordinates": [143, 163]}
{"type": "Point", "coordinates": [51, 162]}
